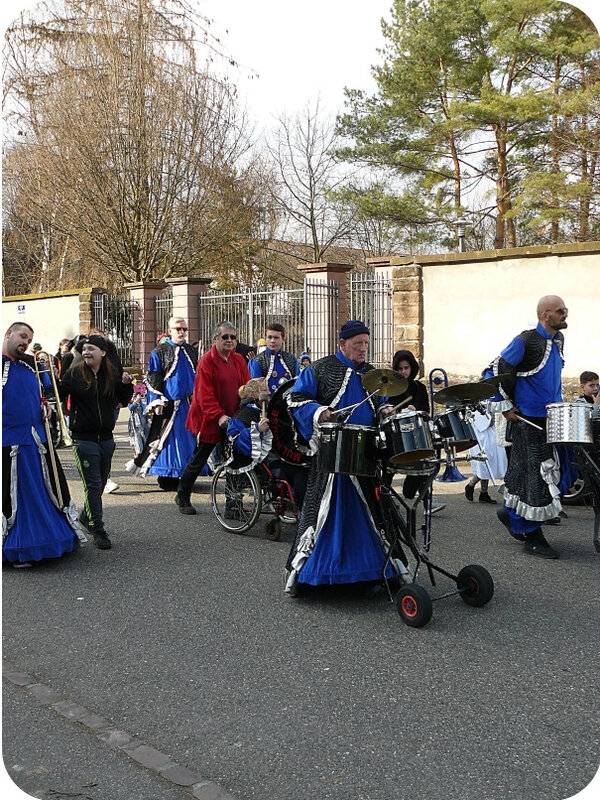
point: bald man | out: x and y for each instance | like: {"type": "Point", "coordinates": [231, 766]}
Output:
{"type": "Point", "coordinates": [533, 362]}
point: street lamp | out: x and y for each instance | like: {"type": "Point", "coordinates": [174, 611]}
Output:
{"type": "Point", "coordinates": [461, 226]}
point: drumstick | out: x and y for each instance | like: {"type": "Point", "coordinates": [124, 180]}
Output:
{"type": "Point", "coordinates": [533, 425]}
{"type": "Point", "coordinates": [263, 398]}
{"type": "Point", "coordinates": [403, 403]}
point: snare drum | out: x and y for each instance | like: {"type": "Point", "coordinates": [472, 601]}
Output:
{"type": "Point", "coordinates": [569, 423]}
{"type": "Point", "coordinates": [347, 449]}
{"type": "Point", "coordinates": [452, 426]}
{"type": "Point", "coordinates": [407, 437]}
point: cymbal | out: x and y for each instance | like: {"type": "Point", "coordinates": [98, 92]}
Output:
{"type": "Point", "coordinates": [465, 392]}
{"type": "Point", "coordinates": [496, 379]}
{"type": "Point", "coordinates": [385, 382]}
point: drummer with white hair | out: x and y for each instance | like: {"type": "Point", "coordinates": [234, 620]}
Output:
{"type": "Point", "coordinates": [338, 539]}
{"type": "Point", "coordinates": [531, 365]}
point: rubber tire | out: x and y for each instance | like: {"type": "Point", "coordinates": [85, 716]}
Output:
{"type": "Point", "coordinates": [414, 605]}
{"type": "Point", "coordinates": [217, 497]}
{"type": "Point", "coordinates": [273, 530]}
{"type": "Point", "coordinates": [475, 584]}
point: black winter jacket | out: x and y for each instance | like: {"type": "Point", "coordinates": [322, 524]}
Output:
{"type": "Point", "coordinates": [92, 413]}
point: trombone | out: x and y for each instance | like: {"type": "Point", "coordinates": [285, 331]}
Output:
{"type": "Point", "coordinates": [62, 423]}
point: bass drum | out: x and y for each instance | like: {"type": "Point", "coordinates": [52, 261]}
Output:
{"type": "Point", "coordinates": [282, 428]}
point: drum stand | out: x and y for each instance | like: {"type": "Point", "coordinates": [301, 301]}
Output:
{"type": "Point", "coordinates": [473, 583]}
{"type": "Point", "coordinates": [590, 466]}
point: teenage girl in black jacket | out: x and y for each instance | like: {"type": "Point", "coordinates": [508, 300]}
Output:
{"type": "Point", "coordinates": [96, 389]}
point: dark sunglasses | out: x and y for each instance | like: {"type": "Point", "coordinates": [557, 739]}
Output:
{"type": "Point", "coordinates": [228, 336]}
{"type": "Point", "coordinates": [180, 329]}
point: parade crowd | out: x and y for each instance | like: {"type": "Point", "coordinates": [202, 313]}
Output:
{"type": "Point", "coordinates": [191, 412]}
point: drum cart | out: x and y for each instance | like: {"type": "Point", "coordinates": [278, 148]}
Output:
{"type": "Point", "coordinates": [413, 602]}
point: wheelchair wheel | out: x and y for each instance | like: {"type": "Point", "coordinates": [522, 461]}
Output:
{"type": "Point", "coordinates": [236, 499]}
{"type": "Point", "coordinates": [273, 530]}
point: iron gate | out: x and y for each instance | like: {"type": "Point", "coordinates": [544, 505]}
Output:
{"type": "Point", "coordinates": [371, 300]}
{"type": "Point", "coordinates": [115, 315]}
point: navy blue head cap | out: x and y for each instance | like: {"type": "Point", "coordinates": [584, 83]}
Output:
{"type": "Point", "coordinates": [354, 327]}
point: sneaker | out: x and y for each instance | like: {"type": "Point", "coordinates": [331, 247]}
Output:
{"type": "Point", "coordinates": [469, 490]}
{"type": "Point", "coordinates": [437, 507]}
{"type": "Point", "coordinates": [111, 486]}
{"type": "Point", "coordinates": [185, 507]}
{"type": "Point", "coordinates": [502, 515]}
{"type": "Point", "coordinates": [553, 521]}
{"type": "Point", "coordinates": [102, 541]}
{"type": "Point", "coordinates": [484, 497]}
{"type": "Point", "coordinates": [536, 545]}
{"type": "Point", "coordinates": [21, 564]}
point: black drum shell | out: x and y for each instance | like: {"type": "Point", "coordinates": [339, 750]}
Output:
{"type": "Point", "coordinates": [407, 438]}
{"type": "Point", "coordinates": [348, 449]}
{"type": "Point", "coordinates": [452, 426]}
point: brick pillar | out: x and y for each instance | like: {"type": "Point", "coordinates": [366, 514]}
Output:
{"type": "Point", "coordinates": [408, 309]}
{"type": "Point", "coordinates": [86, 306]}
{"type": "Point", "coordinates": [145, 340]}
{"type": "Point", "coordinates": [185, 301]}
{"type": "Point", "coordinates": [322, 318]}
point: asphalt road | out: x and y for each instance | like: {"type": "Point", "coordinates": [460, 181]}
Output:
{"type": "Point", "coordinates": [188, 659]}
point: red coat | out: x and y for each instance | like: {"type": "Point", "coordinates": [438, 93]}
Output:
{"type": "Point", "coordinates": [207, 402]}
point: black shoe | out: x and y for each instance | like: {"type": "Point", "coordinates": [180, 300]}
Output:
{"type": "Point", "coordinates": [185, 507]}
{"type": "Point", "coordinates": [536, 545]}
{"type": "Point", "coordinates": [502, 515]}
{"type": "Point", "coordinates": [485, 498]}
{"type": "Point", "coordinates": [234, 514]}
{"type": "Point", "coordinates": [553, 521]}
{"type": "Point", "coordinates": [102, 541]}
{"type": "Point", "coordinates": [469, 490]}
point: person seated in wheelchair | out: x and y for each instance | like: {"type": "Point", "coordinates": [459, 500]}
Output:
{"type": "Point", "coordinates": [250, 440]}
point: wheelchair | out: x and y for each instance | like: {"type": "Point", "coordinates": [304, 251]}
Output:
{"type": "Point", "coordinates": [239, 498]}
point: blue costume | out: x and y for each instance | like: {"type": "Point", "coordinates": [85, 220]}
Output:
{"type": "Point", "coordinates": [338, 539]}
{"type": "Point", "coordinates": [170, 384]}
{"type": "Point", "coordinates": [277, 368]}
{"type": "Point", "coordinates": [533, 362]}
{"type": "Point", "coordinates": [34, 523]}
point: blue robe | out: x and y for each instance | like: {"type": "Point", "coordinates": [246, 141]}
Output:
{"type": "Point", "coordinates": [179, 443]}
{"type": "Point", "coordinates": [36, 527]}
{"type": "Point", "coordinates": [345, 546]}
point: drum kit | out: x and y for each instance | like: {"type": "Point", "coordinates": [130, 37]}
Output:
{"type": "Point", "coordinates": [410, 442]}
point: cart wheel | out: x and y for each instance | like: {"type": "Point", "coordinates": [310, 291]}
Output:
{"type": "Point", "coordinates": [414, 605]}
{"type": "Point", "coordinates": [273, 530]}
{"type": "Point", "coordinates": [475, 585]}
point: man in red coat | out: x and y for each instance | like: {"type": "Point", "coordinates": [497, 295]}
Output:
{"type": "Point", "coordinates": [219, 375]}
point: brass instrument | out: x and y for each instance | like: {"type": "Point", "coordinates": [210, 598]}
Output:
{"type": "Point", "coordinates": [62, 423]}
{"type": "Point", "coordinates": [49, 445]}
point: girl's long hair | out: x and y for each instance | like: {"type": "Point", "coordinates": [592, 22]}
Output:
{"type": "Point", "coordinates": [87, 375]}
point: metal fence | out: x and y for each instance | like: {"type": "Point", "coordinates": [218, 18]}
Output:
{"type": "Point", "coordinates": [115, 315]}
{"type": "Point", "coordinates": [163, 310]}
{"type": "Point", "coordinates": [251, 311]}
{"type": "Point", "coordinates": [371, 300]}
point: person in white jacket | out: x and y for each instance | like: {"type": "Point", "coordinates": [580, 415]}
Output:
{"type": "Point", "coordinates": [496, 463]}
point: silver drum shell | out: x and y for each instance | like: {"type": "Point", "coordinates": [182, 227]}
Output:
{"type": "Point", "coordinates": [569, 423]}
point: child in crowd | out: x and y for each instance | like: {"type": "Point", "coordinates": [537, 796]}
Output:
{"type": "Point", "coordinates": [304, 360]}
{"type": "Point", "coordinates": [139, 424]}
{"type": "Point", "coordinates": [589, 388]}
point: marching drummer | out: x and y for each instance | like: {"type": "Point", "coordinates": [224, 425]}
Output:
{"type": "Point", "coordinates": [533, 362]}
{"type": "Point", "coordinates": [338, 539]}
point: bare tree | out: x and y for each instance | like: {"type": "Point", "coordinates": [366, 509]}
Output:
{"type": "Point", "coordinates": [308, 174]}
{"type": "Point", "coordinates": [141, 159]}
